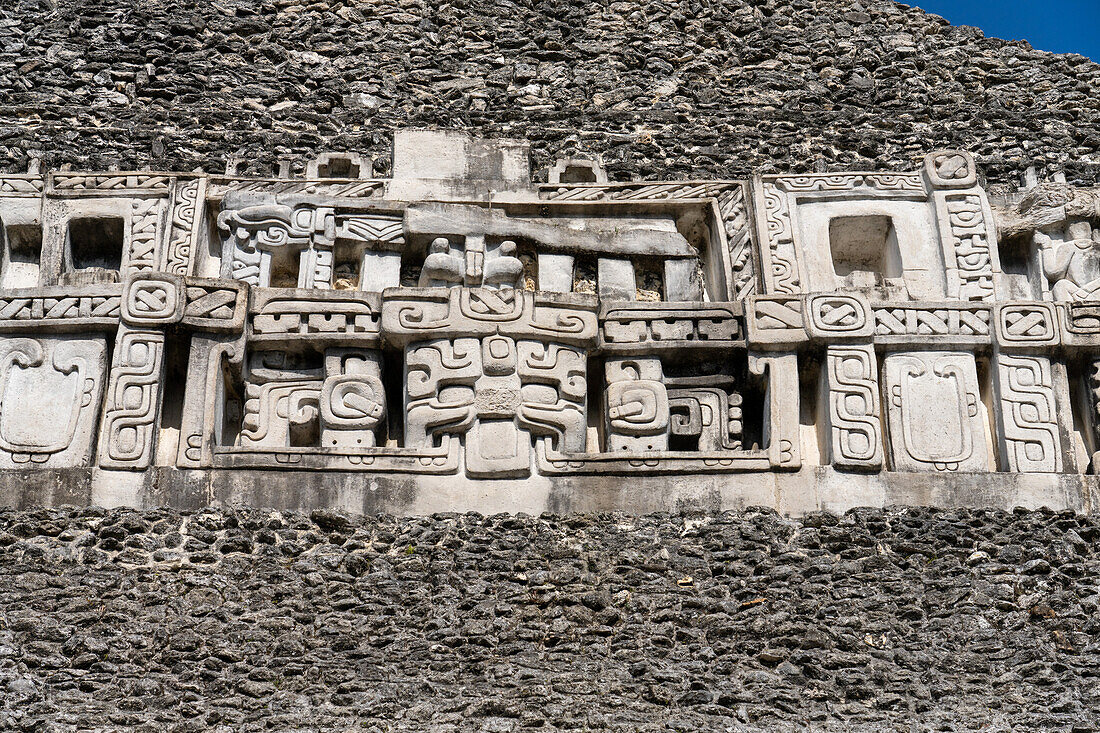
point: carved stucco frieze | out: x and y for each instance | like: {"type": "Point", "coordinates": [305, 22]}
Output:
{"type": "Point", "coordinates": [934, 407]}
{"type": "Point", "coordinates": [457, 321]}
{"type": "Point", "coordinates": [853, 413]}
{"type": "Point", "coordinates": [128, 433]}
{"type": "Point", "coordinates": [1031, 439]}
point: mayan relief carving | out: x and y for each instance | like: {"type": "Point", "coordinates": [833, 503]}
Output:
{"type": "Point", "coordinates": [1029, 432]}
{"type": "Point", "coordinates": [934, 410]}
{"type": "Point", "coordinates": [144, 222]}
{"type": "Point", "coordinates": [50, 391]}
{"type": "Point", "coordinates": [459, 320]}
{"type": "Point", "coordinates": [352, 399]}
{"type": "Point", "coordinates": [852, 394]}
{"type": "Point", "coordinates": [185, 209]}
{"type": "Point", "coordinates": [133, 400]}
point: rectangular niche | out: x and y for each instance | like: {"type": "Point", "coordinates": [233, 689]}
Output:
{"type": "Point", "coordinates": [286, 263]}
{"type": "Point", "coordinates": [864, 249]}
{"type": "Point", "coordinates": [1018, 281]}
{"type": "Point", "coordinates": [23, 256]}
{"type": "Point", "coordinates": [95, 248]}
{"type": "Point", "coordinates": [347, 262]}
{"type": "Point", "coordinates": [888, 249]}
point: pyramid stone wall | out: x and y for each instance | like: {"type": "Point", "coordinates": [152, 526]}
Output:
{"type": "Point", "coordinates": [662, 89]}
{"type": "Point", "coordinates": [235, 619]}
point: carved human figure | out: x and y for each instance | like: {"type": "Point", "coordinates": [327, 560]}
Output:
{"type": "Point", "coordinates": [1073, 265]}
{"type": "Point", "coordinates": [442, 268]}
{"type": "Point", "coordinates": [505, 270]}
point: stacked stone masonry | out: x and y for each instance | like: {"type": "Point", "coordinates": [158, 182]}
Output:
{"type": "Point", "coordinates": [457, 336]}
{"type": "Point", "coordinates": [668, 89]}
{"type": "Point", "coordinates": [910, 619]}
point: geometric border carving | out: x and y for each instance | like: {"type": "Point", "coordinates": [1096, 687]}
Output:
{"type": "Point", "coordinates": [152, 299]}
{"type": "Point", "coordinates": [1026, 324]}
{"type": "Point", "coordinates": [950, 169]}
{"type": "Point", "coordinates": [839, 316]}
{"type": "Point", "coordinates": [775, 321]}
{"type": "Point", "coordinates": [215, 305]}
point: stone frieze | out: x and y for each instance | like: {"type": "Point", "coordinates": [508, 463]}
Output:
{"type": "Point", "coordinates": [461, 325]}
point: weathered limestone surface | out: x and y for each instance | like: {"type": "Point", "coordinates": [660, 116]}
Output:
{"type": "Point", "coordinates": [664, 89]}
{"type": "Point", "coordinates": [137, 370]}
{"type": "Point", "coordinates": [251, 620]}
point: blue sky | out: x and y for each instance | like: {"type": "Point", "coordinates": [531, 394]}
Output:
{"type": "Point", "coordinates": [1064, 26]}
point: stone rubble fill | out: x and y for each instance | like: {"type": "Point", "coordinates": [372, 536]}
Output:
{"type": "Point", "coordinates": [663, 89]}
{"type": "Point", "coordinates": [248, 620]}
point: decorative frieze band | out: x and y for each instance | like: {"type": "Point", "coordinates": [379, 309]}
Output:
{"type": "Point", "coordinates": [444, 324]}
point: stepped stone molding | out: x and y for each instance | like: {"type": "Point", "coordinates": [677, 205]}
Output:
{"type": "Point", "coordinates": [491, 342]}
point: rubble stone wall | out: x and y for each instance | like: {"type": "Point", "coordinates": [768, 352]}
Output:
{"type": "Point", "coordinates": [910, 619]}
{"type": "Point", "coordinates": [662, 89]}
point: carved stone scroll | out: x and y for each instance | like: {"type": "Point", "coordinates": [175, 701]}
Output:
{"type": "Point", "coordinates": [706, 418]}
{"type": "Point", "coordinates": [353, 400]}
{"type": "Point", "coordinates": [413, 314]}
{"type": "Point", "coordinates": [253, 233]}
{"type": "Point", "coordinates": [853, 423]}
{"type": "Point", "coordinates": [184, 226]}
{"type": "Point", "coordinates": [637, 405]}
{"type": "Point", "coordinates": [1029, 435]}
{"type": "Point", "coordinates": [1079, 326]}
{"type": "Point", "coordinates": [950, 169]}
{"type": "Point", "coordinates": [839, 317]}
{"type": "Point", "coordinates": [553, 393]}
{"type": "Point", "coordinates": [130, 416]}
{"type": "Point", "coordinates": [779, 255]}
